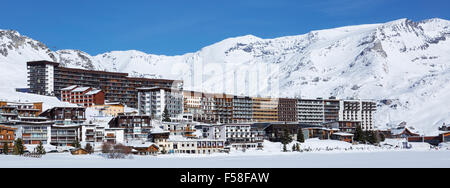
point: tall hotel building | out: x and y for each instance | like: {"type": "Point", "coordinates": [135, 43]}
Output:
{"type": "Point", "coordinates": [311, 111]}
{"type": "Point", "coordinates": [49, 78]}
{"type": "Point", "coordinates": [358, 111]}
{"type": "Point", "coordinates": [265, 109]}
{"type": "Point", "coordinates": [153, 101]}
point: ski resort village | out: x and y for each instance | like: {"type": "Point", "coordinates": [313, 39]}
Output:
{"type": "Point", "coordinates": [373, 95]}
{"type": "Point", "coordinates": [73, 112]}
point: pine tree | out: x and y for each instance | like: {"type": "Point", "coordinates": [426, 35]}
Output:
{"type": "Point", "coordinates": [40, 149]}
{"type": "Point", "coordinates": [76, 144]}
{"type": "Point", "coordinates": [300, 136]}
{"type": "Point", "coordinates": [286, 138]}
{"type": "Point", "coordinates": [359, 134]}
{"type": "Point", "coordinates": [284, 148]}
{"type": "Point", "coordinates": [89, 148]}
{"type": "Point", "coordinates": [298, 147]}
{"type": "Point", "coordinates": [5, 149]}
{"type": "Point", "coordinates": [166, 116]}
{"type": "Point", "coordinates": [382, 137]}
{"type": "Point", "coordinates": [293, 147]}
{"type": "Point", "coordinates": [18, 147]}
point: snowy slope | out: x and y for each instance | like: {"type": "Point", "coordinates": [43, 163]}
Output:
{"type": "Point", "coordinates": [403, 64]}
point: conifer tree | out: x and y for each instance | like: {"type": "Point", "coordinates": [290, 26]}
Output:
{"type": "Point", "coordinates": [89, 148]}
{"type": "Point", "coordinates": [293, 147]}
{"type": "Point", "coordinates": [359, 134]}
{"type": "Point", "coordinates": [298, 147]}
{"type": "Point", "coordinates": [166, 116]}
{"type": "Point", "coordinates": [286, 138]}
{"type": "Point", "coordinates": [284, 148]}
{"type": "Point", "coordinates": [40, 149]}
{"type": "Point", "coordinates": [18, 147]}
{"type": "Point", "coordinates": [5, 149]}
{"type": "Point", "coordinates": [300, 136]}
{"type": "Point", "coordinates": [76, 144]}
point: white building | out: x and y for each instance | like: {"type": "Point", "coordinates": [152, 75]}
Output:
{"type": "Point", "coordinates": [311, 111]}
{"type": "Point", "coordinates": [182, 145]}
{"type": "Point", "coordinates": [358, 110]}
{"type": "Point", "coordinates": [153, 101]}
{"type": "Point", "coordinates": [235, 135]}
{"type": "Point", "coordinates": [96, 135]}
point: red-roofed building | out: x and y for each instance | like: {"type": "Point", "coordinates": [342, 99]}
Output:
{"type": "Point", "coordinates": [83, 96]}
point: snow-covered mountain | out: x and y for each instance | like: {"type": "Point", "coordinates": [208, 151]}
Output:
{"type": "Point", "coordinates": [403, 64]}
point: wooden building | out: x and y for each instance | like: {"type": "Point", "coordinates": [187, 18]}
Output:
{"type": "Point", "coordinates": [346, 137]}
{"type": "Point", "coordinates": [7, 136]}
{"type": "Point", "coordinates": [79, 151]}
{"type": "Point", "coordinates": [65, 115]}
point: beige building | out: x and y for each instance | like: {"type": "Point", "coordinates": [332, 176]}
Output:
{"type": "Point", "coordinates": [265, 109]}
{"type": "Point", "coordinates": [110, 109]}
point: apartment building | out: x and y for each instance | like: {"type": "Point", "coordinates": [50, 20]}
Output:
{"type": "Point", "coordinates": [208, 106]}
{"type": "Point", "coordinates": [186, 130]}
{"type": "Point", "coordinates": [83, 96]}
{"type": "Point", "coordinates": [136, 127]}
{"type": "Point", "coordinates": [15, 110]}
{"type": "Point", "coordinates": [24, 118]}
{"type": "Point", "coordinates": [242, 109]}
{"type": "Point", "coordinates": [49, 78]}
{"type": "Point", "coordinates": [153, 101]}
{"type": "Point", "coordinates": [181, 145]}
{"type": "Point", "coordinates": [41, 77]}
{"type": "Point", "coordinates": [358, 110]}
{"type": "Point", "coordinates": [66, 115]}
{"type": "Point", "coordinates": [311, 111]}
{"type": "Point", "coordinates": [287, 110]}
{"type": "Point", "coordinates": [97, 135]}
{"type": "Point", "coordinates": [193, 104]}
{"type": "Point", "coordinates": [110, 109]}
{"type": "Point", "coordinates": [65, 135]}
{"type": "Point", "coordinates": [235, 135]}
{"type": "Point", "coordinates": [265, 109]}
{"type": "Point", "coordinates": [331, 110]}
{"type": "Point", "coordinates": [7, 136]}
{"type": "Point", "coordinates": [224, 108]}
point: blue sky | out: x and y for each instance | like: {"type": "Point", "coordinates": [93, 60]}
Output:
{"type": "Point", "coordinates": [175, 27]}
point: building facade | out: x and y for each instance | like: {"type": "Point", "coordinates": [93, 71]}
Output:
{"type": "Point", "coordinates": [65, 135]}
{"type": "Point", "coordinates": [287, 110]}
{"type": "Point", "coordinates": [7, 136]}
{"type": "Point", "coordinates": [49, 78]}
{"type": "Point", "coordinates": [66, 115]}
{"type": "Point", "coordinates": [265, 109]}
{"type": "Point", "coordinates": [242, 109]}
{"type": "Point", "coordinates": [358, 110]}
{"type": "Point", "coordinates": [83, 96]}
{"type": "Point", "coordinates": [311, 111]}
{"type": "Point", "coordinates": [153, 101]}
{"type": "Point", "coordinates": [136, 127]}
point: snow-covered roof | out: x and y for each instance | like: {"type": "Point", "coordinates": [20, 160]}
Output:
{"type": "Point", "coordinates": [93, 92]}
{"type": "Point", "coordinates": [138, 144]}
{"type": "Point", "coordinates": [343, 134]}
{"type": "Point", "coordinates": [69, 88]}
{"type": "Point", "coordinates": [158, 130]}
{"type": "Point", "coordinates": [179, 138]}
{"type": "Point", "coordinates": [81, 89]}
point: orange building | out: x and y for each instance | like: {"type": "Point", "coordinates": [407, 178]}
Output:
{"type": "Point", "coordinates": [7, 137]}
{"type": "Point", "coordinates": [265, 109]}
